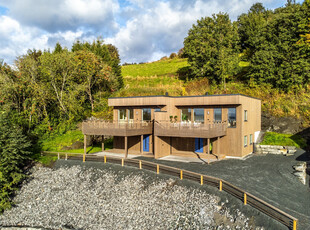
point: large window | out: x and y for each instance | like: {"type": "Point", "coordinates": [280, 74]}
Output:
{"type": "Point", "coordinates": [146, 114]}
{"type": "Point", "coordinates": [218, 115]}
{"type": "Point", "coordinates": [199, 115]}
{"type": "Point", "coordinates": [245, 141]}
{"type": "Point", "coordinates": [186, 115]}
{"type": "Point", "coordinates": [232, 117]}
{"type": "Point", "coordinates": [130, 114]}
{"type": "Point", "coordinates": [122, 116]}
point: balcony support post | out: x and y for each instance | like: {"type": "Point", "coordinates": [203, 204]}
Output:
{"type": "Point", "coordinates": [218, 146]}
{"type": "Point", "coordinates": [126, 146]}
{"type": "Point", "coordinates": [208, 149]}
{"type": "Point", "coordinates": [141, 145]}
{"type": "Point", "coordinates": [102, 143]}
{"type": "Point", "coordinates": [85, 142]}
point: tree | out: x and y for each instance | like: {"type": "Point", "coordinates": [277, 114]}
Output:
{"type": "Point", "coordinates": [14, 152]}
{"type": "Point", "coordinates": [106, 52]}
{"type": "Point", "coordinates": [57, 72]}
{"type": "Point", "coordinates": [212, 48]}
{"type": "Point", "coordinates": [93, 74]}
{"type": "Point", "coordinates": [274, 44]}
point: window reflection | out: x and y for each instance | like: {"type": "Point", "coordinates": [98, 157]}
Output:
{"type": "Point", "coordinates": [199, 115]}
{"type": "Point", "coordinates": [186, 115]}
{"type": "Point", "coordinates": [218, 115]}
{"type": "Point", "coordinates": [232, 117]}
{"type": "Point", "coordinates": [146, 114]}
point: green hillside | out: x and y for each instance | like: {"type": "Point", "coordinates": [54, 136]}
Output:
{"type": "Point", "coordinates": [166, 67]}
{"type": "Point", "coordinates": [161, 76]}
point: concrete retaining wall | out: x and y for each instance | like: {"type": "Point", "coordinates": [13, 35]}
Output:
{"type": "Point", "coordinates": [274, 149]}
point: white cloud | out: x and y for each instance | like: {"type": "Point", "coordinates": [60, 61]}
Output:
{"type": "Point", "coordinates": [142, 30]}
{"type": "Point", "coordinates": [61, 15]}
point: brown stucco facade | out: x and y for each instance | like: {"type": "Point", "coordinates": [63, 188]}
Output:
{"type": "Point", "coordinates": [222, 125]}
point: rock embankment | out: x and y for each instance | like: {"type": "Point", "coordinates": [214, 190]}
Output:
{"type": "Point", "coordinates": [80, 198]}
{"type": "Point", "coordinates": [274, 149]}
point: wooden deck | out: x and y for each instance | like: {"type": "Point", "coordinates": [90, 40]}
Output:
{"type": "Point", "coordinates": [117, 128]}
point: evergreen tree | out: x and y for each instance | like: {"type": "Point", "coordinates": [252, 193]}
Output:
{"type": "Point", "coordinates": [14, 153]}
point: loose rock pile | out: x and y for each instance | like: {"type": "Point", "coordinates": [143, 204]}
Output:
{"type": "Point", "coordinates": [79, 198]}
{"type": "Point", "coordinates": [300, 172]}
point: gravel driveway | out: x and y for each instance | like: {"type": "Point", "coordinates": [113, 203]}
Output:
{"type": "Point", "coordinates": [268, 177]}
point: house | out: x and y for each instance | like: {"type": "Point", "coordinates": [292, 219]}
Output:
{"type": "Point", "coordinates": [194, 126]}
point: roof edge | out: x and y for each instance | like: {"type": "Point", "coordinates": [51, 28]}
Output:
{"type": "Point", "coordinates": [189, 96]}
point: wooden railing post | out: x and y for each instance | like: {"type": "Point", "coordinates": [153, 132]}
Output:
{"type": "Point", "coordinates": [294, 224]}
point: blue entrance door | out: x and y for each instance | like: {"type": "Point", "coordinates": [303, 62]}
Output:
{"type": "Point", "coordinates": [199, 145]}
{"type": "Point", "coordinates": [146, 143]}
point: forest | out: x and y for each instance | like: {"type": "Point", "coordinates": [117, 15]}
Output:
{"type": "Point", "coordinates": [46, 92]}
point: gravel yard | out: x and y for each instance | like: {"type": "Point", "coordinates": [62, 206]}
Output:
{"type": "Point", "coordinates": [97, 196]}
{"type": "Point", "coordinates": [269, 177]}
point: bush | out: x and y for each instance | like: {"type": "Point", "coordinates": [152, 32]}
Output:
{"type": "Point", "coordinates": [14, 154]}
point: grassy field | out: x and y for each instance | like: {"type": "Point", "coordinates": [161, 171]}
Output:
{"type": "Point", "coordinates": [159, 68]}
{"type": "Point", "coordinates": [272, 138]}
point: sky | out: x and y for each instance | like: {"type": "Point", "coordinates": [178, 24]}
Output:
{"type": "Point", "coordinates": [142, 30]}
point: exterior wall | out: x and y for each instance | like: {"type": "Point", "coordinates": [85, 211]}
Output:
{"type": "Point", "coordinates": [162, 146]}
{"type": "Point", "coordinates": [181, 145]}
{"type": "Point", "coordinates": [253, 123]}
{"type": "Point", "coordinates": [134, 143]}
{"type": "Point", "coordinates": [231, 144]}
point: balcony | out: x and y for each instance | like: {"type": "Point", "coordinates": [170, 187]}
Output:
{"type": "Point", "coordinates": [110, 128]}
{"type": "Point", "coordinates": [187, 129]}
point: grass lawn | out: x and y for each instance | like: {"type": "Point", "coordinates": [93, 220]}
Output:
{"type": "Point", "coordinates": [158, 68]}
{"type": "Point", "coordinates": [272, 138]}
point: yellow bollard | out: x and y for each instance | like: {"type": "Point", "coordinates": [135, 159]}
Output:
{"type": "Point", "coordinates": [244, 199]}
{"type": "Point", "coordinates": [122, 161]}
{"type": "Point", "coordinates": [294, 224]}
{"type": "Point", "coordinates": [201, 180]}
{"type": "Point", "coordinates": [84, 157]}
{"type": "Point", "coordinates": [140, 165]}
{"type": "Point", "coordinates": [157, 169]}
{"type": "Point", "coordinates": [221, 186]}
{"type": "Point", "coordinates": [181, 175]}
{"type": "Point", "coordinates": [105, 159]}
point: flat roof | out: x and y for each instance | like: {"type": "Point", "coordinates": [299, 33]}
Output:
{"type": "Point", "coordinates": [188, 96]}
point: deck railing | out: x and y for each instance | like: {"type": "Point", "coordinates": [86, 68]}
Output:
{"type": "Point", "coordinates": [114, 128]}
{"type": "Point", "coordinates": [190, 129]}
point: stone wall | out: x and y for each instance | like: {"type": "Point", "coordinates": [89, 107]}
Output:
{"type": "Point", "coordinates": [274, 149]}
